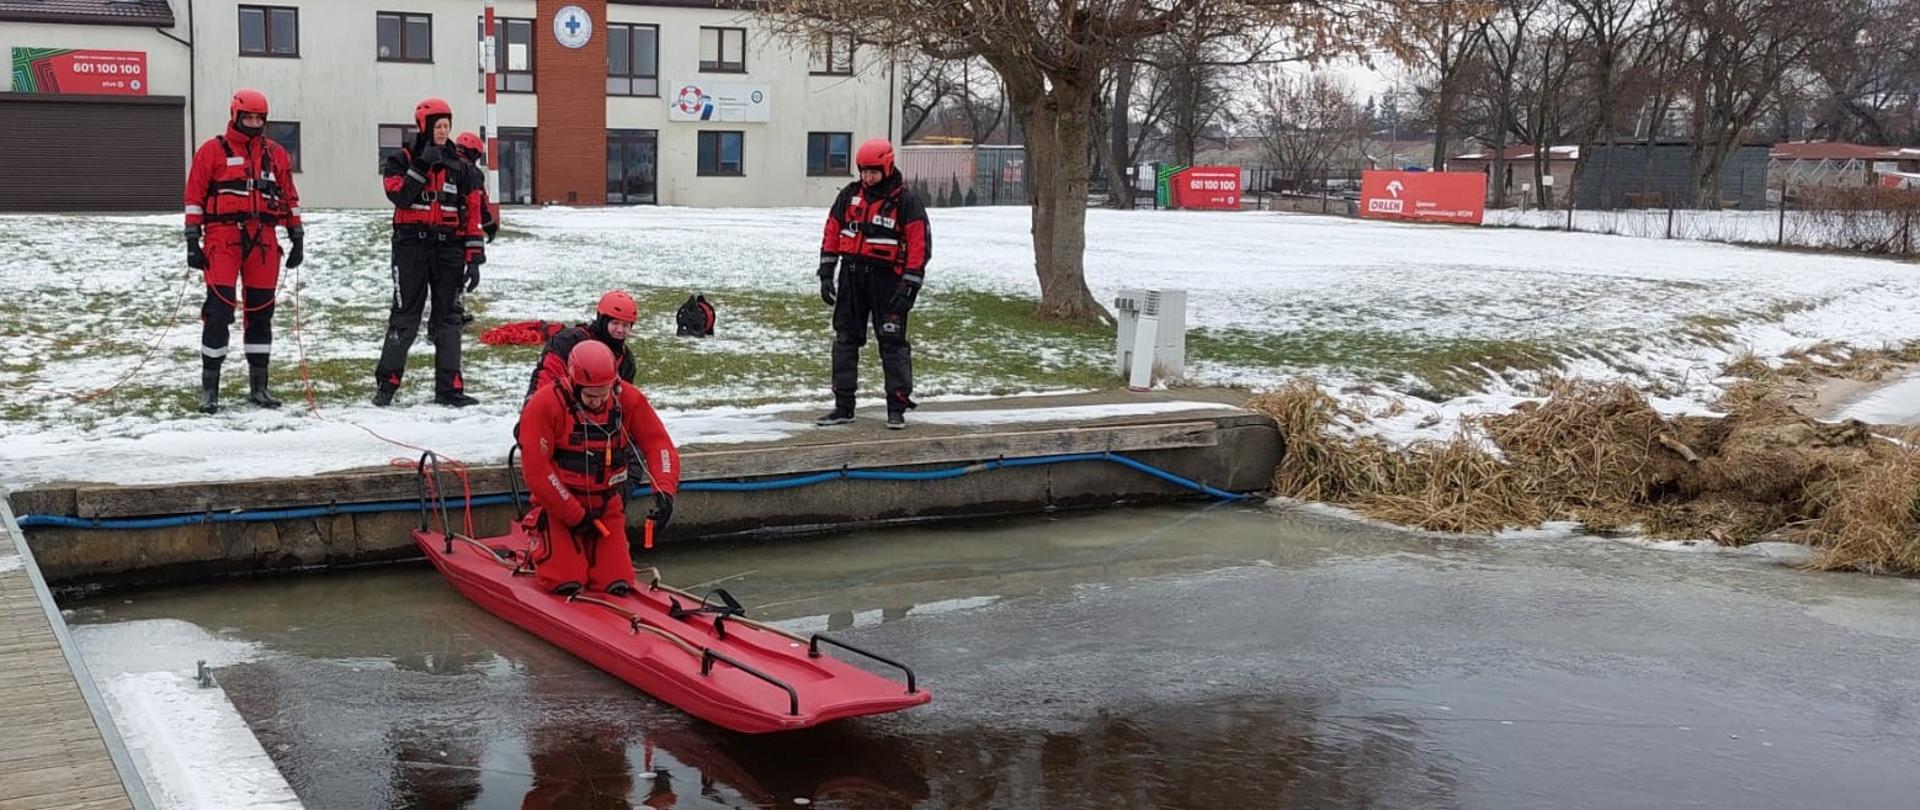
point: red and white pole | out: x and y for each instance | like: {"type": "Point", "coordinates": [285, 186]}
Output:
{"type": "Point", "coordinates": [490, 56]}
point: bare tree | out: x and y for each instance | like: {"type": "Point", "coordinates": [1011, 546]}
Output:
{"type": "Point", "coordinates": [1543, 87]}
{"type": "Point", "coordinates": [1050, 56]}
{"type": "Point", "coordinates": [925, 87]}
{"type": "Point", "coordinates": [1305, 121]}
{"type": "Point", "coordinates": [1740, 50]}
{"type": "Point", "coordinates": [1445, 46]}
{"type": "Point", "coordinates": [1502, 41]}
{"type": "Point", "coordinates": [1134, 107]}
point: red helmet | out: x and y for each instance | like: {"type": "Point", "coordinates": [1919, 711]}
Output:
{"type": "Point", "coordinates": [247, 101]}
{"type": "Point", "coordinates": [430, 108]}
{"type": "Point", "coordinates": [470, 143]}
{"type": "Point", "coordinates": [619, 306]}
{"type": "Point", "coordinates": [875, 154]}
{"type": "Point", "coordinates": [591, 365]}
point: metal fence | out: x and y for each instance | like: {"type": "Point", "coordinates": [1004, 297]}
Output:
{"type": "Point", "coordinates": [966, 175]}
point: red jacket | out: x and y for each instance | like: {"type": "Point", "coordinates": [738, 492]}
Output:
{"type": "Point", "coordinates": [443, 198]}
{"type": "Point", "coordinates": [567, 452]}
{"type": "Point", "coordinates": [237, 177]}
{"type": "Point", "coordinates": [884, 225]}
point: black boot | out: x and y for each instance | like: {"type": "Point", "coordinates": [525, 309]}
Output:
{"type": "Point", "coordinates": [457, 399]}
{"type": "Point", "coordinates": [209, 390]}
{"type": "Point", "coordinates": [383, 396]}
{"type": "Point", "coordinates": [257, 389]}
{"type": "Point", "coordinates": [896, 420]}
{"type": "Point", "coordinates": [840, 415]}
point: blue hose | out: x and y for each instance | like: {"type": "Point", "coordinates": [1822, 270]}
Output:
{"type": "Point", "coordinates": [297, 513]}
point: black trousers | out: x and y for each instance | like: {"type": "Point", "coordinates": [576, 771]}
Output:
{"type": "Point", "coordinates": [864, 292]}
{"type": "Point", "coordinates": [426, 269]}
{"type": "Point", "coordinates": [216, 318]}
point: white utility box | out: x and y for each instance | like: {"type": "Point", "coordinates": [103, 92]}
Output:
{"type": "Point", "coordinates": [1152, 340]}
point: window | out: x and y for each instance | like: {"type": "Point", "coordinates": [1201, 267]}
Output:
{"type": "Point", "coordinates": [831, 55]}
{"type": "Point", "coordinates": [516, 166]}
{"type": "Point", "coordinates": [404, 37]}
{"type": "Point", "coordinates": [393, 137]}
{"type": "Point", "coordinates": [633, 60]}
{"type": "Point", "coordinates": [269, 31]}
{"type": "Point", "coordinates": [513, 59]}
{"type": "Point", "coordinates": [630, 165]}
{"type": "Point", "coordinates": [721, 154]}
{"type": "Point", "coordinates": [723, 50]}
{"type": "Point", "coordinates": [829, 154]}
{"type": "Point", "coordinates": [287, 134]}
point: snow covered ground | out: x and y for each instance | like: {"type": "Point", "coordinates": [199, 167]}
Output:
{"type": "Point", "coordinates": [1412, 308]}
{"type": "Point", "coordinates": [1885, 232]}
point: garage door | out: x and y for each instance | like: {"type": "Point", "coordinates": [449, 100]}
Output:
{"type": "Point", "coordinates": [90, 153]}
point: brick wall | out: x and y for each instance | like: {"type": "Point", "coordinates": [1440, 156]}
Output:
{"type": "Point", "coordinates": [570, 153]}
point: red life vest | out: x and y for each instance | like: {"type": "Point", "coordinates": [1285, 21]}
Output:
{"type": "Point", "coordinates": [593, 450]}
{"type": "Point", "coordinates": [872, 230]}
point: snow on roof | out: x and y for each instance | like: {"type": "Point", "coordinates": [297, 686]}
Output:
{"type": "Point", "coordinates": [1830, 150]}
{"type": "Point", "coordinates": [1525, 152]}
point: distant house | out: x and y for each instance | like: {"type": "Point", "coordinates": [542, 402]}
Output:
{"type": "Point", "coordinates": [1518, 172]}
{"type": "Point", "coordinates": [1828, 164]}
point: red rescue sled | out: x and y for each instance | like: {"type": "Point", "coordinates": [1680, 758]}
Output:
{"type": "Point", "coordinates": [706, 658]}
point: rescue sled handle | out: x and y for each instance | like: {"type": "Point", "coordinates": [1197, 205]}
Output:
{"type": "Point", "coordinates": [813, 651]}
{"type": "Point", "coordinates": [708, 655]}
{"type": "Point", "coordinates": [431, 463]}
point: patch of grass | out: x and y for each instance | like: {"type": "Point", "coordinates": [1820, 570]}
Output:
{"type": "Point", "coordinates": [1439, 368]}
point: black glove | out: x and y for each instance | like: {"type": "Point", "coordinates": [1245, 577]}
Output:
{"type": "Point", "coordinates": [662, 510]}
{"type": "Point", "coordinates": [432, 155]}
{"type": "Point", "coordinates": [473, 276]}
{"type": "Point", "coordinates": [196, 258]}
{"type": "Point", "coordinates": [299, 252]}
{"type": "Point", "coordinates": [828, 264]}
{"type": "Point", "coordinates": [491, 231]}
{"type": "Point", "coordinates": [904, 294]}
{"type": "Point", "coordinates": [587, 527]}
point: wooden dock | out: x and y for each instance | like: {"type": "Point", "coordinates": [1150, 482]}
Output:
{"type": "Point", "coordinates": [58, 747]}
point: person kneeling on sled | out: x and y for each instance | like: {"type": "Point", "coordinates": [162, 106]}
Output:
{"type": "Point", "coordinates": [574, 437]}
{"type": "Point", "coordinates": [612, 322]}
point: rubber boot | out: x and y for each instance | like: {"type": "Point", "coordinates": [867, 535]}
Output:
{"type": "Point", "coordinates": [209, 390]}
{"type": "Point", "coordinates": [257, 389]}
{"type": "Point", "coordinates": [840, 415]}
{"type": "Point", "coordinates": [896, 420]}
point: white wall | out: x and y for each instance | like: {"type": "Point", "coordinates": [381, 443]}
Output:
{"type": "Point", "coordinates": [340, 93]}
{"type": "Point", "coordinates": [775, 152]}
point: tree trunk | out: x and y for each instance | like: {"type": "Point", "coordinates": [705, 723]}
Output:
{"type": "Point", "coordinates": [1119, 131]}
{"type": "Point", "coordinates": [1058, 125]}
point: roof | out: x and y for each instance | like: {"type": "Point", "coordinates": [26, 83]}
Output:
{"type": "Point", "coordinates": [1830, 150]}
{"type": "Point", "coordinates": [143, 13]}
{"type": "Point", "coordinates": [1525, 152]}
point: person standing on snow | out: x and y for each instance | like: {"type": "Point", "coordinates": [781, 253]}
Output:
{"type": "Point", "coordinates": [612, 322]}
{"type": "Point", "coordinates": [575, 437]}
{"type": "Point", "coordinates": [437, 247]}
{"type": "Point", "coordinates": [877, 238]}
{"type": "Point", "coordinates": [239, 191]}
{"type": "Point", "coordinates": [473, 151]}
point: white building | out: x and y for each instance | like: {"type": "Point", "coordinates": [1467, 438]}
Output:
{"type": "Point", "coordinates": [590, 105]}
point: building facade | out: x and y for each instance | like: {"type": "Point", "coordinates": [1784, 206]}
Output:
{"type": "Point", "coordinates": [678, 102]}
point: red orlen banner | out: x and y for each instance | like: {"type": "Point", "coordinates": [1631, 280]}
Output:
{"type": "Point", "coordinates": [1207, 187]}
{"type": "Point", "coordinates": [1424, 196]}
{"type": "Point", "coordinates": [63, 70]}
